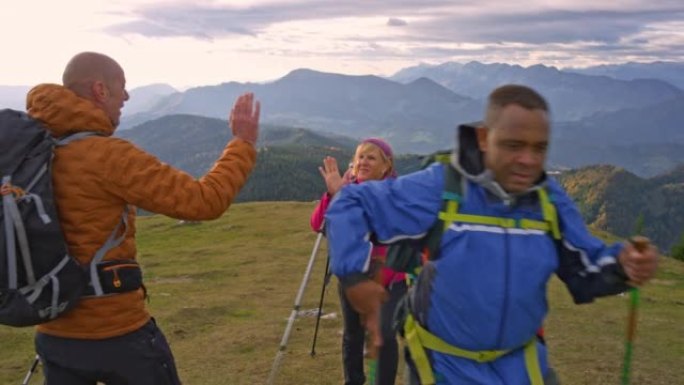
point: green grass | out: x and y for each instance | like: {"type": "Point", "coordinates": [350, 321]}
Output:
{"type": "Point", "coordinates": [222, 292]}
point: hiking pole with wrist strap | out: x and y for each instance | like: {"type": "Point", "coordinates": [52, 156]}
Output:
{"type": "Point", "coordinates": [631, 333]}
{"type": "Point", "coordinates": [326, 280]}
{"type": "Point", "coordinates": [286, 335]}
{"type": "Point", "coordinates": [641, 244]}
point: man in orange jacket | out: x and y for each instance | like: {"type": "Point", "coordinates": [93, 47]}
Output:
{"type": "Point", "coordinates": [109, 337]}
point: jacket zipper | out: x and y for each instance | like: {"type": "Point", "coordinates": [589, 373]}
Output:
{"type": "Point", "coordinates": [115, 267]}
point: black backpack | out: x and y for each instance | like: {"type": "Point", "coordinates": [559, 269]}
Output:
{"type": "Point", "coordinates": [409, 255]}
{"type": "Point", "coordinates": [39, 280]}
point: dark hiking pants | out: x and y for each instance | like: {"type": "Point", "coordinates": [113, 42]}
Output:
{"type": "Point", "coordinates": [388, 357]}
{"type": "Point", "coordinates": [142, 357]}
{"type": "Point", "coordinates": [353, 338]}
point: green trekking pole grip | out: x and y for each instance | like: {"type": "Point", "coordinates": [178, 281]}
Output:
{"type": "Point", "coordinates": [372, 370]}
{"type": "Point", "coordinates": [631, 333]}
{"type": "Point", "coordinates": [641, 244]}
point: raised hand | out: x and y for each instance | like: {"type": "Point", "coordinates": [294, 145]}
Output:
{"type": "Point", "coordinates": [331, 174]}
{"type": "Point", "coordinates": [244, 118]}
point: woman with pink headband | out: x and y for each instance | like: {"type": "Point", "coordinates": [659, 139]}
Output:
{"type": "Point", "coordinates": [373, 160]}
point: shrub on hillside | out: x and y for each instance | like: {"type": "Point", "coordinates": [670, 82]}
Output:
{"type": "Point", "coordinates": [678, 249]}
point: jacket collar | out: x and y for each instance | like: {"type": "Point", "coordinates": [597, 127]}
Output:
{"type": "Point", "coordinates": [468, 159]}
{"type": "Point", "coordinates": [63, 112]}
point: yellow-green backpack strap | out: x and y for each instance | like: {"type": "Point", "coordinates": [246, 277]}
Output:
{"type": "Point", "coordinates": [419, 356]}
{"type": "Point", "coordinates": [451, 196]}
{"type": "Point", "coordinates": [532, 363]}
{"type": "Point", "coordinates": [550, 213]}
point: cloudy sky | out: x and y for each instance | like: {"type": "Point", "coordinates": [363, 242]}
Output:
{"type": "Point", "coordinates": [199, 42]}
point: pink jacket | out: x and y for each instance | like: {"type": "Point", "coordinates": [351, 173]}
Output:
{"type": "Point", "coordinates": [378, 253]}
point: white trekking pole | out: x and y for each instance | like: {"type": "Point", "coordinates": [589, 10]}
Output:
{"type": "Point", "coordinates": [31, 370]}
{"type": "Point", "coordinates": [295, 310]}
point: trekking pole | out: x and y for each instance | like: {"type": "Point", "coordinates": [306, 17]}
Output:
{"type": "Point", "coordinates": [374, 351]}
{"type": "Point", "coordinates": [640, 244]}
{"type": "Point", "coordinates": [286, 335]}
{"type": "Point", "coordinates": [326, 280]}
{"type": "Point", "coordinates": [631, 333]}
{"type": "Point", "coordinates": [32, 370]}
{"type": "Point", "coordinates": [372, 370]}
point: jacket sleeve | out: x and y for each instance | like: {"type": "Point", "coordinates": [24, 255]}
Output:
{"type": "Point", "coordinates": [141, 179]}
{"type": "Point", "coordinates": [588, 267]}
{"type": "Point", "coordinates": [318, 215]}
{"type": "Point", "coordinates": [391, 209]}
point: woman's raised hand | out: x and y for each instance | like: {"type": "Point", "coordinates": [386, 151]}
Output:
{"type": "Point", "coordinates": [331, 174]}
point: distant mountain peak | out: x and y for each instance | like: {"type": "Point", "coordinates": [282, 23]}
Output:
{"type": "Point", "coordinates": [305, 74]}
{"type": "Point", "coordinates": [424, 81]}
{"type": "Point", "coordinates": [430, 86]}
{"type": "Point", "coordinates": [160, 88]}
{"type": "Point", "coordinates": [543, 67]}
{"type": "Point", "coordinates": [450, 65]}
{"type": "Point", "coordinates": [300, 73]}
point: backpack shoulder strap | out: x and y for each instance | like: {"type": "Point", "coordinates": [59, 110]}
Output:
{"type": "Point", "coordinates": [452, 197]}
{"type": "Point", "coordinates": [550, 213]}
{"type": "Point", "coordinates": [409, 254]}
{"type": "Point", "coordinates": [63, 141]}
{"type": "Point", "coordinates": [113, 241]}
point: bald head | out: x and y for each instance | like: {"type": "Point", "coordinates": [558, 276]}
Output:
{"type": "Point", "coordinates": [87, 68]}
{"type": "Point", "coordinates": [100, 79]}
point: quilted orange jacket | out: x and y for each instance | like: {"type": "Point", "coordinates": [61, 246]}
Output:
{"type": "Point", "coordinates": [96, 178]}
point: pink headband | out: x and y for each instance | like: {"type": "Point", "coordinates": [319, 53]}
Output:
{"type": "Point", "coordinates": [384, 146]}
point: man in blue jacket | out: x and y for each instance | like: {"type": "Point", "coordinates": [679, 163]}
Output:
{"type": "Point", "coordinates": [477, 305]}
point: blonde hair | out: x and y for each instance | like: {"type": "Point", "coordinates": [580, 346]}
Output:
{"type": "Point", "coordinates": [366, 147]}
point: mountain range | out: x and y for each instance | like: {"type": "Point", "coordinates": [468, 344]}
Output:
{"type": "Point", "coordinates": [609, 197]}
{"type": "Point", "coordinates": [631, 115]}
{"type": "Point", "coordinates": [671, 72]}
{"type": "Point", "coordinates": [635, 123]}
{"type": "Point", "coordinates": [415, 117]}
{"type": "Point", "coordinates": [287, 164]}
{"type": "Point", "coordinates": [633, 120]}
{"type": "Point", "coordinates": [572, 96]}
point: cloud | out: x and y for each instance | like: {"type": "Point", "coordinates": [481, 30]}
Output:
{"type": "Point", "coordinates": [216, 20]}
{"type": "Point", "coordinates": [205, 23]}
{"type": "Point", "coordinates": [396, 22]}
{"type": "Point", "coordinates": [545, 27]}
{"type": "Point", "coordinates": [436, 28]}
{"type": "Point", "coordinates": [434, 19]}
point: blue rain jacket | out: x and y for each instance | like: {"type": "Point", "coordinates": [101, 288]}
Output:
{"type": "Point", "coordinates": [487, 288]}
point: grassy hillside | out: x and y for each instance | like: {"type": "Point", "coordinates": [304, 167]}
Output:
{"type": "Point", "coordinates": [222, 292]}
{"type": "Point", "coordinates": [611, 198]}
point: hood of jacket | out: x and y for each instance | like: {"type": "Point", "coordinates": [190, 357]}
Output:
{"type": "Point", "coordinates": [468, 159]}
{"type": "Point", "coordinates": [64, 112]}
